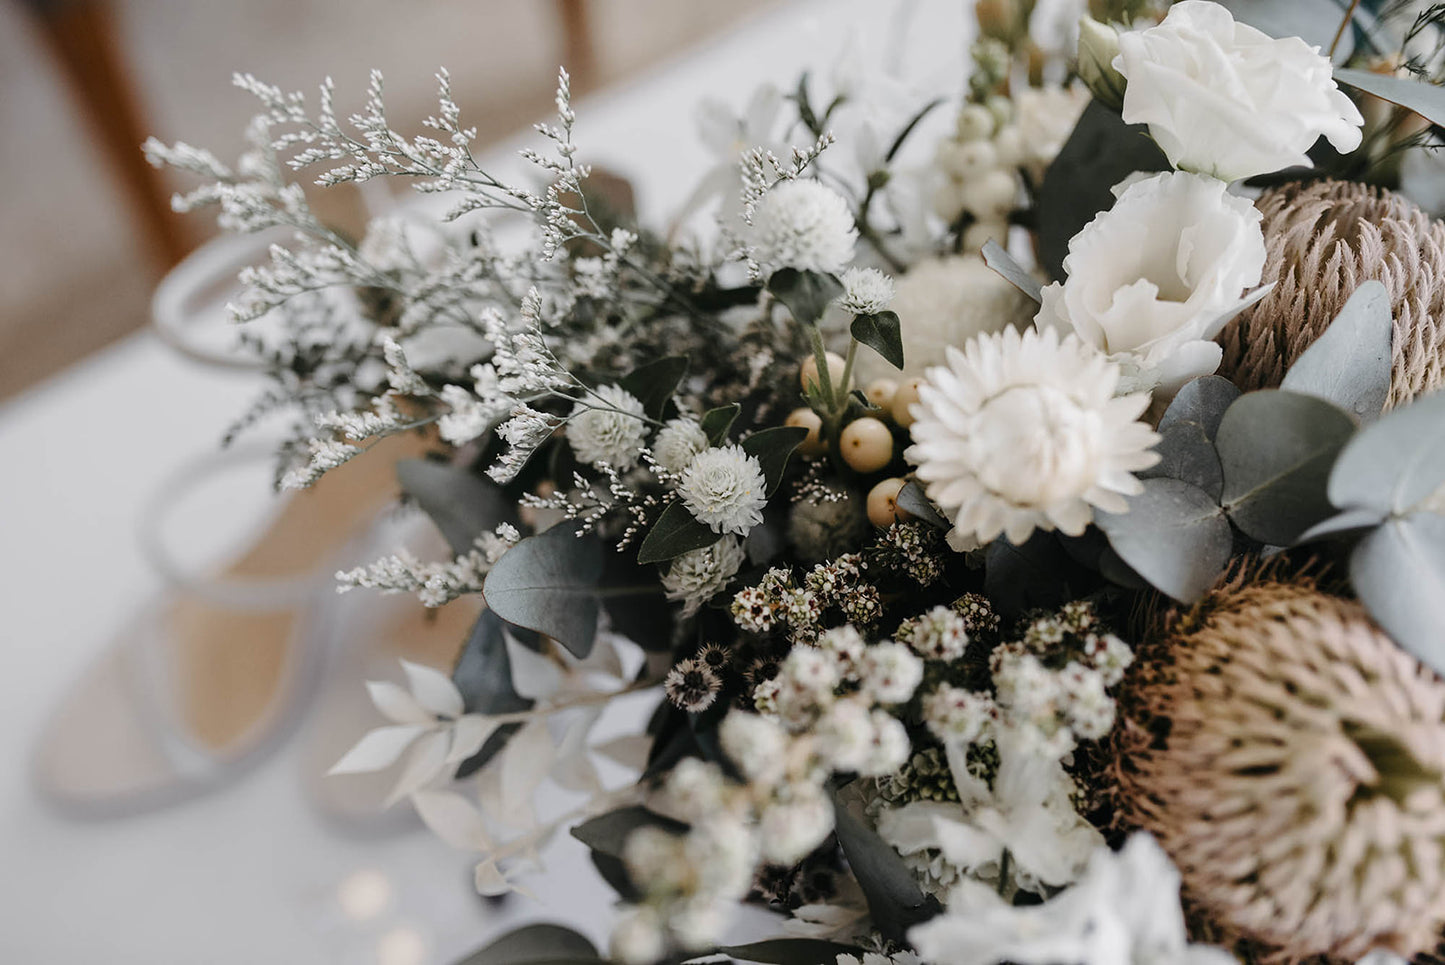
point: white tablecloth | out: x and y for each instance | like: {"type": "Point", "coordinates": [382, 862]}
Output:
{"type": "Point", "coordinates": [250, 875]}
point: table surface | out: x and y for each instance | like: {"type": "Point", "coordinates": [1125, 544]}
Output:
{"type": "Point", "coordinates": [250, 874]}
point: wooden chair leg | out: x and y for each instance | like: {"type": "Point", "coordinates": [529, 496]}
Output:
{"type": "Point", "coordinates": [81, 36]}
{"type": "Point", "coordinates": [579, 55]}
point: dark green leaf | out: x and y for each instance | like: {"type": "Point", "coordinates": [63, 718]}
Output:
{"type": "Point", "coordinates": [655, 383]}
{"type": "Point", "coordinates": [483, 674]}
{"type": "Point", "coordinates": [614, 872]}
{"type": "Point", "coordinates": [1425, 99]}
{"type": "Point", "coordinates": [462, 505]}
{"type": "Point", "coordinates": [1276, 449]}
{"type": "Point", "coordinates": [881, 333]}
{"type": "Point", "coordinates": [1398, 571]}
{"type": "Point", "coordinates": [1202, 400]}
{"type": "Point", "coordinates": [717, 422]}
{"type": "Point", "coordinates": [675, 532]}
{"type": "Point", "coordinates": [806, 293]}
{"type": "Point", "coordinates": [1174, 535]}
{"type": "Point", "coordinates": [540, 944]}
{"type": "Point", "coordinates": [1186, 453]}
{"type": "Point", "coordinates": [1101, 152]}
{"type": "Point", "coordinates": [1392, 465]}
{"type": "Point", "coordinates": [772, 447]}
{"type": "Point", "coordinates": [608, 833]}
{"type": "Point", "coordinates": [1015, 274]}
{"type": "Point", "coordinates": [790, 951]}
{"type": "Point", "coordinates": [895, 901]}
{"type": "Point", "coordinates": [1019, 578]}
{"type": "Point", "coordinates": [555, 583]}
{"type": "Point", "coordinates": [897, 144]}
{"type": "Point", "coordinates": [912, 499]}
{"type": "Point", "coordinates": [1349, 364]}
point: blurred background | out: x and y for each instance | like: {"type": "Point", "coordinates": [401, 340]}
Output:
{"type": "Point", "coordinates": [82, 82]}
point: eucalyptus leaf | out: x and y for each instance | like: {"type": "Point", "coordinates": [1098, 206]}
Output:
{"type": "Point", "coordinates": [483, 675]}
{"type": "Point", "coordinates": [807, 294]}
{"type": "Point", "coordinates": [882, 333]}
{"type": "Point", "coordinates": [1398, 571]}
{"type": "Point", "coordinates": [912, 499]}
{"type": "Point", "coordinates": [1186, 453]}
{"type": "Point", "coordinates": [608, 833]}
{"type": "Point", "coordinates": [1348, 521]}
{"type": "Point", "coordinates": [790, 951]}
{"type": "Point", "coordinates": [1101, 152]}
{"type": "Point", "coordinates": [1349, 364]}
{"type": "Point", "coordinates": [463, 505]}
{"type": "Point", "coordinates": [1015, 274]}
{"type": "Point", "coordinates": [1315, 21]}
{"type": "Point", "coordinates": [1394, 464]}
{"type": "Point", "coordinates": [1203, 401]}
{"type": "Point", "coordinates": [675, 532]}
{"type": "Point", "coordinates": [772, 447]}
{"type": "Point", "coordinates": [1425, 99]}
{"type": "Point", "coordinates": [555, 583]}
{"type": "Point", "coordinates": [1174, 535]}
{"type": "Point", "coordinates": [1019, 578]}
{"type": "Point", "coordinates": [535, 945]}
{"type": "Point", "coordinates": [655, 383]}
{"type": "Point", "coordinates": [717, 422]}
{"type": "Point", "coordinates": [895, 901]}
{"type": "Point", "coordinates": [1277, 449]}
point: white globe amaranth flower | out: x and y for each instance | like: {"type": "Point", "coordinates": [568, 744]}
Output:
{"type": "Point", "coordinates": [1024, 432]}
{"type": "Point", "coordinates": [803, 224]}
{"type": "Point", "coordinates": [677, 442]}
{"type": "Point", "coordinates": [612, 434]}
{"type": "Point", "coordinates": [697, 576]}
{"type": "Point", "coordinates": [866, 291]}
{"type": "Point", "coordinates": [724, 488]}
{"type": "Point", "coordinates": [1222, 98]}
{"type": "Point", "coordinates": [1151, 281]}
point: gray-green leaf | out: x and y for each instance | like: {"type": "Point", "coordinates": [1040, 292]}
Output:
{"type": "Point", "coordinates": [675, 532]}
{"type": "Point", "coordinates": [911, 498]}
{"type": "Point", "coordinates": [608, 833]}
{"type": "Point", "coordinates": [717, 422]}
{"type": "Point", "coordinates": [1398, 571]}
{"type": "Point", "coordinates": [1204, 401]}
{"type": "Point", "coordinates": [772, 447]}
{"type": "Point", "coordinates": [462, 505]}
{"type": "Point", "coordinates": [1423, 98]}
{"type": "Point", "coordinates": [1349, 364]}
{"type": "Point", "coordinates": [895, 901]}
{"type": "Point", "coordinates": [1015, 274]}
{"type": "Point", "coordinates": [1392, 465]}
{"type": "Point", "coordinates": [534, 945]}
{"type": "Point", "coordinates": [1185, 452]}
{"type": "Point", "coordinates": [1174, 535]}
{"type": "Point", "coordinates": [807, 294]}
{"type": "Point", "coordinates": [655, 383]}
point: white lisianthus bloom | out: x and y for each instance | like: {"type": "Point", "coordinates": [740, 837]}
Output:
{"type": "Point", "coordinates": [676, 444]}
{"type": "Point", "coordinates": [866, 291]}
{"type": "Point", "coordinates": [1152, 280]}
{"type": "Point", "coordinates": [610, 428]}
{"type": "Point", "coordinates": [1224, 99]}
{"type": "Point", "coordinates": [698, 576]}
{"type": "Point", "coordinates": [1024, 432]}
{"type": "Point", "coordinates": [725, 489]}
{"type": "Point", "coordinates": [803, 224]}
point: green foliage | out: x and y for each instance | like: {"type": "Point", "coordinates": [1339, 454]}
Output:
{"type": "Point", "coordinates": [895, 901]}
{"type": "Point", "coordinates": [882, 333]}
{"type": "Point", "coordinates": [1349, 364]}
{"type": "Point", "coordinates": [655, 383]}
{"type": "Point", "coordinates": [462, 505]}
{"type": "Point", "coordinates": [1174, 535]}
{"type": "Point", "coordinates": [717, 422]}
{"type": "Point", "coordinates": [540, 944]}
{"type": "Point", "coordinates": [807, 294]}
{"type": "Point", "coordinates": [1015, 274]}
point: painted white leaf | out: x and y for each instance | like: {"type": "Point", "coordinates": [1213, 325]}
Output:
{"type": "Point", "coordinates": [469, 733]}
{"type": "Point", "coordinates": [604, 658]}
{"type": "Point", "coordinates": [434, 690]}
{"type": "Point", "coordinates": [423, 765]}
{"type": "Point", "coordinates": [490, 880]}
{"type": "Point", "coordinates": [574, 769]}
{"type": "Point", "coordinates": [454, 819]}
{"type": "Point", "coordinates": [533, 675]}
{"type": "Point", "coordinates": [378, 749]}
{"type": "Point", "coordinates": [396, 704]}
{"type": "Point", "coordinates": [525, 763]}
{"type": "Point", "coordinates": [488, 784]}
{"type": "Point", "coordinates": [630, 750]}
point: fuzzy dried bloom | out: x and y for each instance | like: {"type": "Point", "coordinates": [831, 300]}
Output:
{"type": "Point", "coordinates": [677, 443]}
{"type": "Point", "coordinates": [1291, 760]}
{"type": "Point", "coordinates": [724, 488]}
{"type": "Point", "coordinates": [1322, 239]}
{"type": "Point", "coordinates": [697, 576]}
{"type": "Point", "coordinates": [805, 225]}
{"type": "Point", "coordinates": [866, 291]}
{"type": "Point", "coordinates": [609, 430]}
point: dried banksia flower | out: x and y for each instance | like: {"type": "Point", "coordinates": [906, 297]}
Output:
{"type": "Point", "coordinates": [1289, 758]}
{"type": "Point", "coordinates": [1322, 240]}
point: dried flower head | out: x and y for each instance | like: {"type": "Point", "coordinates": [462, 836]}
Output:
{"type": "Point", "coordinates": [724, 488]}
{"type": "Point", "coordinates": [1323, 239]}
{"type": "Point", "coordinates": [692, 686]}
{"type": "Point", "coordinates": [1291, 760]}
{"type": "Point", "coordinates": [803, 224]}
{"type": "Point", "coordinates": [608, 430]}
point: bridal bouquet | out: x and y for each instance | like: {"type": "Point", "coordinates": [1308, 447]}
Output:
{"type": "Point", "coordinates": [1023, 508]}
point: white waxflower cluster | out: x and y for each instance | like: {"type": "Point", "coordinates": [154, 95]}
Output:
{"type": "Point", "coordinates": [697, 576]}
{"type": "Point", "coordinates": [939, 634]}
{"type": "Point", "coordinates": [777, 601]}
{"type": "Point", "coordinates": [866, 291]}
{"type": "Point", "coordinates": [802, 224]}
{"type": "Point", "coordinates": [608, 428]}
{"type": "Point", "coordinates": [676, 443]}
{"type": "Point", "coordinates": [724, 488]}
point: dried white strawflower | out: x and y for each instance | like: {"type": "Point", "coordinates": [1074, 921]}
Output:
{"type": "Point", "coordinates": [609, 428]}
{"type": "Point", "coordinates": [697, 576]}
{"type": "Point", "coordinates": [805, 225]}
{"type": "Point", "coordinates": [725, 489]}
{"type": "Point", "coordinates": [866, 291]}
{"type": "Point", "coordinates": [676, 444]}
{"type": "Point", "coordinates": [1023, 432]}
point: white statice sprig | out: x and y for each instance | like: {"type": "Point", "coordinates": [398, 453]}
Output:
{"type": "Point", "coordinates": [434, 582]}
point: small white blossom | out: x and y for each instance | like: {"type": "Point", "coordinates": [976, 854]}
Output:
{"type": "Point", "coordinates": [789, 830]}
{"type": "Point", "coordinates": [958, 716]}
{"type": "Point", "coordinates": [638, 937]}
{"type": "Point", "coordinates": [756, 745]}
{"type": "Point", "coordinates": [846, 734]}
{"type": "Point", "coordinates": [724, 488]}
{"type": "Point", "coordinates": [805, 225]}
{"type": "Point", "coordinates": [889, 748]}
{"type": "Point", "coordinates": [845, 643]}
{"type": "Point", "coordinates": [677, 443]}
{"type": "Point", "coordinates": [610, 430]}
{"type": "Point", "coordinates": [695, 789]}
{"type": "Point", "coordinates": [326, 454]}
{"type": "Point", "coordinates": [866, 291]}
{"type": "Point", "coordinates": [697, 576]}
{"type": "Point", "coordinates": [940, 634]}
{"type": "Point", "coordinates": [467, 418]}
{"type": "Point", "coordinates": [890, 672]}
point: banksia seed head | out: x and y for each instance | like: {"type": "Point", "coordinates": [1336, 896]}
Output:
{"type": "Point", "coordinates": [1322, 240]}
{"type": "Point", "coordinates": [1290, 758]}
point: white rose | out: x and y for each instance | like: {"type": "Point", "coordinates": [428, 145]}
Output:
{"type": "Point", "coordinates": [1152, 280]}
{"type": "Point", "coordinates": [1222, 98]}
